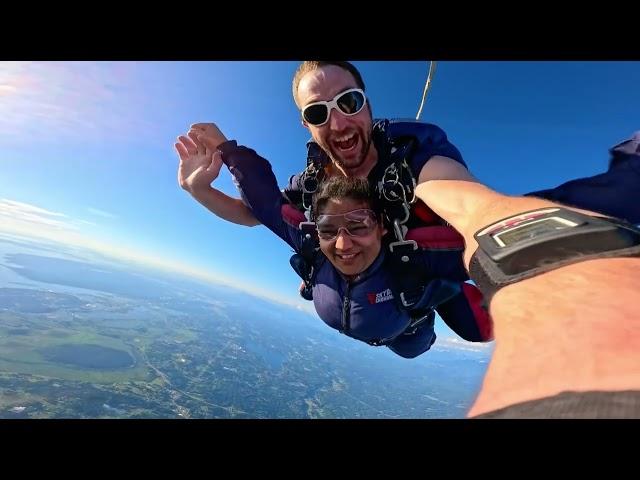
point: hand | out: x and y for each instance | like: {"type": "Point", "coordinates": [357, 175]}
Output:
{"type": "Point", "coordinates": [209, 134]}
{"type": "Point", "coordinates": [199, 166]}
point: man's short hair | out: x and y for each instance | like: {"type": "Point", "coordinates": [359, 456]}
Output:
{"type": "Point", "coordinates": [309, 66]}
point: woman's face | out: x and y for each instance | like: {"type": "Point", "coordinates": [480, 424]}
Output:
{"type": "Point", "coordinates": [350, 235]}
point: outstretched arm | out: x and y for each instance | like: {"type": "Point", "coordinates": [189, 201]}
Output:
{"type": "Point", "coordinates": [575, 328]}
{"type": "Point", "coordinates": [257, 183]}
{"type": "Point", "coordinates": [198, 168]}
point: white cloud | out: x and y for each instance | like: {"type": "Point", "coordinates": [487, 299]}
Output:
{"type": "Point", "coordinates": [31, 221]}
{"type": "Point", "coordinates": [101, 213]}
{"type": "Point", "coordinates": [460, 344]}
{"type": "Point", "coordinates": [73, 100]}
{"type": "Point", "coordinates": [13, 205]}
{"type": "Point", "coordinates": [87, 222]}
{"type": "Point", "coordinates": [19, 215]}
{"type": "Point", "coordinates": [306, 307]}
{"type": "Point", "coordinates": [6, 89]}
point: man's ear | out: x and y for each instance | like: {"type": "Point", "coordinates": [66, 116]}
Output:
{"type": "Point", "coordinates": [304, 123]}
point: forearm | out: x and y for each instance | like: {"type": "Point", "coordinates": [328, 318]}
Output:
{"type": "Point", "coordinates": [468, 206]}
{"type": "Point", "coordinates": [225, 207]}
{"type": "Point", "coordinates": [573, 328]}
{"type": "Point", "coordinates": [576, 328]}
{"type": "Point", "coordinates": [255, 179]}
{"type": "Point", "coordinates": [443, 168]}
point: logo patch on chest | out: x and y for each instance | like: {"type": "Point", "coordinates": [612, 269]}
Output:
{"type": "Point", "coordinates": [380, 297]}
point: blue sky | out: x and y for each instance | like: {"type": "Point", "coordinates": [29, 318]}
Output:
{"type": "Point", "coordinates": [86, 148]}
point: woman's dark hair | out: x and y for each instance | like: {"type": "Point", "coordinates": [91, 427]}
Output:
{"type": "Point", "coordinates": [339, 187]}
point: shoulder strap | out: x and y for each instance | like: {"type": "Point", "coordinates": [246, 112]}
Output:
{"type": "Point", "coordinates": [303, 261]}
{"type": "Point", "coordinates": [412, 286]}
{"type": "Point", "coordinates": [312, 176]}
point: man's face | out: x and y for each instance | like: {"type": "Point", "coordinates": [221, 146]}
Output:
{"type": "Point", "coordinates": [345, 138]}
{"type": "Point", "coordinates": [354, 238]}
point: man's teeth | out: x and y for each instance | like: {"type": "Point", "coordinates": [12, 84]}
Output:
{"type": "Point", "coordinates": [346, 257]}
{"type": "Point", "coordinates": [345, 138]}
